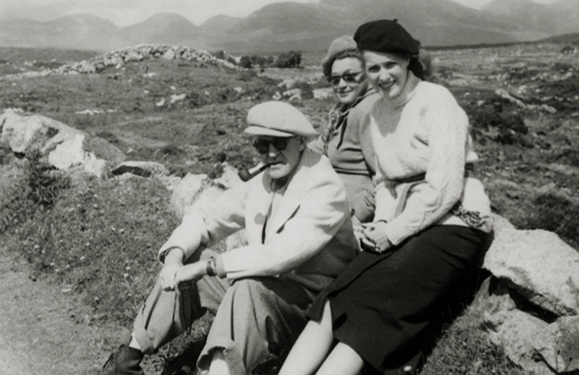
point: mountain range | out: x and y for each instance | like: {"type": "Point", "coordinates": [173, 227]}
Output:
{"type": "Point", "coordinates": [306, 26]}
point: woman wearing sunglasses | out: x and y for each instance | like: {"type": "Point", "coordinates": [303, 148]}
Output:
{"type": "Point", "coordinates": [430, 230]}
{"type": "Point", "coordinates": [346, 140]}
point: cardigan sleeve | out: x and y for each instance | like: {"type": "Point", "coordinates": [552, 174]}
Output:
{"type": "Point", "coordinates": [447, 129]}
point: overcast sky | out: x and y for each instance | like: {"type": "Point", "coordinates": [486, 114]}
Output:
{"type": "Point", "coordinates": [127, 12]}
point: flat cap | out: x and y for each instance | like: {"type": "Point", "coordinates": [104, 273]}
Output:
{"type": "Point", "coordinates": [386, 36]}
{"type": "Point", "coordinates": [338, 45]}
{"type": "Point", "coordinates": [278, 119]}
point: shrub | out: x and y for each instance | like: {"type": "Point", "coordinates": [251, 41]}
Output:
{"type": "Point", "coordinates": [44, 182]}
{"type": "Point", "coordinates": [225, 95]}
{"type": "Point", "coordinates": [219, 54]}
{"type": "Point", "coordinates": [291, 59]}
{"type": "Point", "coordinates": [15, 207]}
{"type": "Point", "coordinates": [36, 189]}
{"type": "Point", "coordinates": [307, 91]}
{"type": "Point", "coordinates": [245, 62]}
{"type": "Point", "coordinates": [196, 100]}
{"type": "Point", "coordinates": [5, 154]}
{"type": "Point", "coordinates": [509, 125]}
{"type": "Point", "coordinates": [569, 156]}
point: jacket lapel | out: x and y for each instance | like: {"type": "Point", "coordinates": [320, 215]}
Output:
{"type": "Point", "coordinates": [293, 195]}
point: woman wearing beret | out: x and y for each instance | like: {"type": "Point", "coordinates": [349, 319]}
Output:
{"type": "Point", "coordinates": [431, 226]}
{"type": "Point", "coordinates": [346, 140]}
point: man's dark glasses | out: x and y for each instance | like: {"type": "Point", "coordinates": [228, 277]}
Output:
{"type": "Point", "coordinates": [349, 78]}
{"type": "Point", "coordinates": [262, 144]}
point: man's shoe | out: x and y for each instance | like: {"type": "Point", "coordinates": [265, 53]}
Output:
{"type": "Point", "coordinates": [124, 361]}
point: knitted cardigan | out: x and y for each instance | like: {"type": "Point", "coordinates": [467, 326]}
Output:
{"type": "Point", "coordinates": [423, 130]}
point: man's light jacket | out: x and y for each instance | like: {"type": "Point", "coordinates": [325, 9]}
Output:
{"type": "Point", "coordinates": [311, 237]}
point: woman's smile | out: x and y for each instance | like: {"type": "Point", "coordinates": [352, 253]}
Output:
{"type": "Point", "coordinates": [387, 72]}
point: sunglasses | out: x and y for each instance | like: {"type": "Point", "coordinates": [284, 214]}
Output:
{"type": "Point", "coordinates": [262, 144]}
{"type": "Point", "coordinates": [349, 78]}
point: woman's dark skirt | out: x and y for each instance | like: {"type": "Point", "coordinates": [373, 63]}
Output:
{"type": "Point", "coordinates": [382, 303]}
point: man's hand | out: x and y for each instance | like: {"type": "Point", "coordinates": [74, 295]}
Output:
{"type": "Point", "coordinates": [358, 231]}
{"type": "Point", "coordinates": [191, 272]}
{"type": "Point", "coordinates": [173, 262]}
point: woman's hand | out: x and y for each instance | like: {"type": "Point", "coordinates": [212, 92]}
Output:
{"type": "Point", "coordinates": [191, 272]}
{"type": "Point", "coordinates": [374, 237]}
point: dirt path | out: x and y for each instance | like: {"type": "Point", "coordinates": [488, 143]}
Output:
{"type": "Point", "coordinates": [39, 333]}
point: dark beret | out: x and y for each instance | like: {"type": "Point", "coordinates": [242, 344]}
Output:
{"type": "Point", "coordinates": [386, 36]}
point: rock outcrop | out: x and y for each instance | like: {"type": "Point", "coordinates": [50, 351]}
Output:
{"type": "Point", "coordinates": [64, 147]}
{"type": "Point", "coordinates": [530, 303]}
{"type": "Point", "coordinates": [538, 265]}
{"type": "Point", "coordinates": [120, 57]}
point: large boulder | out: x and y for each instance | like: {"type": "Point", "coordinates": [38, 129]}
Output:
{"type": "Point", "coordinates": [63, 146]}
{"type": "Point", "coordinates": [103, 149]}
{"type": "Point", "coordinates": [133, 56]}
{"type": "Point", "coordinates": [539, 265]}
{"type": "Point", "coordinates": [196, 189]}
{"type": "Point", "coordinates": [25, 133]}
{"type": "Point", "coordinates": [68, 153]}
{"type": "Point", "coordinates": [229, 178]}
{"type": "Point", "coordinates": [535, 340]}
{"type": "Point", "coordinates": [169, 55]}
{"type": "Point", "coordinates": [190, 190]}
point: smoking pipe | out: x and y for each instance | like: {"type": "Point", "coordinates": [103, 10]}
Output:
{"type": "Point", "coordinates": [247, 174]}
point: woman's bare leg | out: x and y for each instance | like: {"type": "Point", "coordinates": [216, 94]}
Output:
{"type": "Point", "coordinates": [312, 347]}
{"type": "Point", "coordinates": [343, 360]}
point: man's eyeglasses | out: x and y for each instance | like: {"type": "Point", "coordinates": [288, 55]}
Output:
{"type": "Point", "coordinates": [262, 144]}
{"type": "Point", "coordinates": [349, 78]}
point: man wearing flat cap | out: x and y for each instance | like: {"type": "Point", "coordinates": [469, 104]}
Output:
{"type": "Point", "coordinates": [299, 236]}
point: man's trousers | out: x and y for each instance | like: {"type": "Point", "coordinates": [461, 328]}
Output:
{"type": "Point", "coordinates": [253, 317]}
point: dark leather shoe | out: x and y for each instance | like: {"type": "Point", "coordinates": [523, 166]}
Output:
{"type": "Point", "coordinates": [124, 361]}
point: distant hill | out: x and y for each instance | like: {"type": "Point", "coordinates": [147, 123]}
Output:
{"type": "Point", "coordinates": [73, 31]}
{"type": "Point", "coordinates": [565, 38]}
{"type": "Point", "coordinates": [567, 12]}
{"type": "Point", "coordinates": [313, 26]}
{"type": "Point", "coordinates": [308, 26]}
{"type": "Point", "coordinates": [161, 28]}
{"type": "Point", "coordinates": [284, 26]}
{"type": "Point", "coordinates": [218, 25]}
{"type": "Point", "coordinates": [525, 13]}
